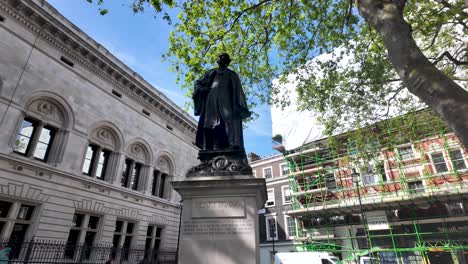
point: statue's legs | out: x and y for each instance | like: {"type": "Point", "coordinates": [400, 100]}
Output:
{"type": "Point", "coordinates": [220, 136]}
{"type": "Point", "coordinates": [234, 133]}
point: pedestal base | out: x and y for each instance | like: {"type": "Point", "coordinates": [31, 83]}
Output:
{"type": "Point", "coordinates": [220, 220]}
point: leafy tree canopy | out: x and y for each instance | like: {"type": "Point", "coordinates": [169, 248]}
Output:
{"type": "Point", "coordinates": [270, 40]}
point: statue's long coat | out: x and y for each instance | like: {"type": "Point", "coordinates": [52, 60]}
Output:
{"type": "Point", "coordinates": [217, 97]}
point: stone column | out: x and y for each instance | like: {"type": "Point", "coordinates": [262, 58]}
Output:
{"type": "Point", "coordinates": [149, 180]}
{"type": "Point", "coordinates": [220, 219]}
{"type": "Point", "coordinates": [58, 146]}
{"type": "Point", "coordinates": [115, 166]}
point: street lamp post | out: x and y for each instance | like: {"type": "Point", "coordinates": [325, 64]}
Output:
{"type": "Point", "coordinates": [180, 224]}
{"type": "Point", "coordinates": [356, 178]}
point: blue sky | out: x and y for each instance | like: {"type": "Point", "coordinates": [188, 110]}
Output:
{"type": "Point", "coordinates": [139, 40]}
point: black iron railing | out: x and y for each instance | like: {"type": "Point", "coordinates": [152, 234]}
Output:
{"type": "Point", "coordinates": [44, 251]}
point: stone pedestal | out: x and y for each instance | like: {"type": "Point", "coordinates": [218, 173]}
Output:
{"type": "Point", "coordinates": [220, 220]}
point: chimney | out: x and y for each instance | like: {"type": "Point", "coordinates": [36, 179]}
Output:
{"type": "Point", "coordinates": [253, 157]}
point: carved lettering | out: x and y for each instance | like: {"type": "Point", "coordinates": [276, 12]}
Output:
{"type": "Point", "coordinates": [218, 227]}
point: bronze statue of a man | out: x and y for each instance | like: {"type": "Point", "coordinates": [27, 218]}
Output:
{"type": "Point", "coordinates": [221, 105]}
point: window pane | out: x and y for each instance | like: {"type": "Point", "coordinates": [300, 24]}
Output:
{"type": "Point", "coordinates": [287, 194]}
{"type": "Point", "coordinates": [457, 159]}
{"type": "Point", "coordinates": [127, 242]}
{"type": "Point", "coordinates": [416, 186]}
{"type": "Point", "coordinates": [439, 162]}
{"type": "Point", "coordinates": [19, 232]}
{"type": "Point", "coordinates": [44, 143]}
{"type": "Point", "coordinates": [135, 176]}
{"type": "Point", "coordinates": [77, 220]}
{"type": "Point", "coordinates": [115, 240]}
{"type": "Point", "coordinates": [158, 231]}
{"type": "Point", "coordinates": [161, 185]}
{"type": "Point", "coordinates": [147, 244]}
{"type": "Point", "coordinates": [330, 181]}
{"type": "Point", "coordinates": [118, 226]}
{"type": "Point", "coordinates": [149, 232]}
{"type": "Point", "coordinates": [25, 212]}
{"type": "Point", "coordinates": [406, 153]}
{"type": "Point", "coordinates": [89, 237]}
{"type": "Point", "coordinates": [4, 208]}
{"type": "Point", "coordinates": [72, 241]}
{"type": "Point", "coordinates": [126, 172]}
{"type": "Point", "coordinates": [268, 174]}
{"type": "Point", "coordinates": [130, 228]}
{"type": "Point", "coordinates": [24, 136]}
{"type": "Point", "coordinates": [154, 183]}
{"type": "Point", "coordinates": [87, 165]}
{"type": "Point", "coordinates": [102, 164]}
{"type": "Point", "coordinates": [93, 222]}
{"type": "Point", "coordinates": [284, 170]}
{"type": "Point", "coordinates": [291, 226]}
{"type": "Point", "coordinates": [157, 242]}
{"type": "Point", "coordinates": [271, 227]}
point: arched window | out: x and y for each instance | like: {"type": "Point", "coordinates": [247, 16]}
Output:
{"type": "Point", "coordinates": [101, 152]}
{"type": "Point", "coordinates": [162, 176]}
{"type": "Point", "coordinates": [42, 132]}
{"type": "Point", "coordinates": [137, 158]}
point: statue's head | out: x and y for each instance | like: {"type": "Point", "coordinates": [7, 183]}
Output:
{"type": "Point", "coordinates": [223, 60]}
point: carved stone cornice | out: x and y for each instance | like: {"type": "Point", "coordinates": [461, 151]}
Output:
{"type": "Point", "coordinates": [42, 19]}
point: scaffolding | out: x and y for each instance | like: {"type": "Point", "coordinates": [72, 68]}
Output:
{"type": "Point", "coordinates": [393, 192]}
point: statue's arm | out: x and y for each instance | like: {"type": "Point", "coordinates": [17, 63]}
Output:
{"type": "Point", "coordinates": [200, 89]}
{"type": "Point", "coordinates": [202, 84]}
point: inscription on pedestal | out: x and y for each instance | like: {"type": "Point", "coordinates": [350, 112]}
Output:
{"type": "Point", "coordinates": [218, 207]}
{"type": "Point", "coordinates": [213, 227]}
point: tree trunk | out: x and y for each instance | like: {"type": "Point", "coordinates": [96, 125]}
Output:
{"type": "Point", "coordinates": [419, 75]}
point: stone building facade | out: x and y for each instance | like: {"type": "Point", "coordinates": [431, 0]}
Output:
{"type": "Point", "coordinates": [87, 147]}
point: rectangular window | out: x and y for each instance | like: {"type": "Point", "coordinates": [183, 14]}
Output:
{"type": "Point", "coordinates": [284, 170]}
{"type": "Point", "coordinates": [20, 216]}
{"type": "Point", "coordinates": [369, 175]}
{"type": "Point", "coordinates": [153, 242]}
{"type": "Point", "coordinates": [267, 173]}
{"type": "Point", "coordinates": [330, 181]}
{"type": "Point", "coordinates": [291, 227]}
{"type": "Point", "coordinates": [89, 160]}
{"type": "Point", "coordinates": [25, 135]}
{"type": "Point", "coordinates": [406, 153]}
{"type": "Point", "coordinates": [286, 194]}
{"type": "Point", "coordinates": [44, 143]}
{"type": "Point", "coordinates": [271, 228]}
{"type": "Point", "coordinates": [457, 159]}
{"type": "Point", "coordinates": [271, 198]}
{"type": "Point", "coordinates": [380, 169]}
{"type": "Point", "coordinates": [22, 220]}
{"type": "Point", "coordinates": [416, 187]}
{"type": "Point", "coordinates": [135, 176]}
{"type": "Point", "coordinates": [439, 162]}
{"type": "Point", "coordinates": [82, 235]}
{"type": "Point", "coordinates": [123, 237]}
{"type": "Point", "coordinates": [102, 164]}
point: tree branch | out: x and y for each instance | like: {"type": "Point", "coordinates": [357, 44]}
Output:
{"type": "Point", "coordinates": [451, 58]}
{"type": "Point", "coordinates": [239, 15]}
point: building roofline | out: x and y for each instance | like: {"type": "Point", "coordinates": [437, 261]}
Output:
{"type": "Point", "coordinates": [44, 20]}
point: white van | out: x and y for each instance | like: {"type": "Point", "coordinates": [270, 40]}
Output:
{"type": "Point", "coordinates": [305, 258]}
